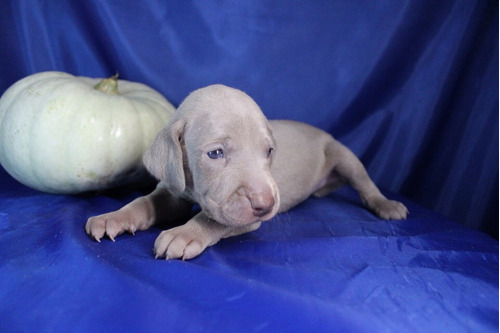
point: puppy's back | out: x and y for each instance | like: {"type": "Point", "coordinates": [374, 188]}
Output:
{"type": "Point", "coordinates": [299, 165]}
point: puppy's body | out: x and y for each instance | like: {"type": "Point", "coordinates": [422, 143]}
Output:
{"type": "Point", "coordinates": [221, 152]}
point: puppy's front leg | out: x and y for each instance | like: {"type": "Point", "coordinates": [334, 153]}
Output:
{"type": "Point", "coordinates": [189, 240]}
{"type": "Point", "coordinates": [157, 207]}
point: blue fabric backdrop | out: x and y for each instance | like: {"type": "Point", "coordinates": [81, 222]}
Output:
{"type": "Point", "coordinates": [410, 86]}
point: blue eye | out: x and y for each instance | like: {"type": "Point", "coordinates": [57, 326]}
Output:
{"type": "Point", "coordinates": [216, 154]}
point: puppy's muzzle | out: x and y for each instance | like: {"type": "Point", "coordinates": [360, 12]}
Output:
{"type": "Point", "coordinates": [250, 204]}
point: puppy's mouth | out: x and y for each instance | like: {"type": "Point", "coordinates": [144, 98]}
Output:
{"type": "Point", "coordinates": [239, 211]}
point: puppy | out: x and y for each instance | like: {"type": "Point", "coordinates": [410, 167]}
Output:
{"type": "Point", "coordinates": [220, 151]}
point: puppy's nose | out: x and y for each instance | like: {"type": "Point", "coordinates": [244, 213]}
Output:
{"type": "Point", "coordinates": [261, 205]}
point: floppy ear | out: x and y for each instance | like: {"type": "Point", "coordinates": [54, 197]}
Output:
{"type": "Point", "coordinates": [164, 158]}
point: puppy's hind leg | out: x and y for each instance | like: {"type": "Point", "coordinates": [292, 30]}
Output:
{"type": "Point", "coordinates": [347, 169]}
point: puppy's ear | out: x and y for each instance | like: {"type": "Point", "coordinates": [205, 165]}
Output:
{"type": "Point", "coordinates": [164, 158]}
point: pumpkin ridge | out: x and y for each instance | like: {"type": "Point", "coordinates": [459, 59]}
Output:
{"type": "Point", "coordinates": [46, 180]}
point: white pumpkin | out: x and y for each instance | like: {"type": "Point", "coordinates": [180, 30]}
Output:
{"type": "Point", "coordinates": [65, 134]}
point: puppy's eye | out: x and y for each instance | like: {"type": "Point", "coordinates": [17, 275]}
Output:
{"type": "Point", "coordinates": [270, 152]}
{"type": "Point", "coordinates": [216, 154]}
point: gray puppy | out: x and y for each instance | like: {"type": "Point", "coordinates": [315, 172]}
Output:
{"type": "Point", "coordinates": [220, 151]}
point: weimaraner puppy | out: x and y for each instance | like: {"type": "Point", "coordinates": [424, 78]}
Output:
{"type": "Point", "coordinates": [220, 151]}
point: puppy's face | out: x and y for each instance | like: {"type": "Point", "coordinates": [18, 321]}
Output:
{"type": "Point", "coordinates": [230, 160]}
{"type": "Point", "coordinates": [227, 150]}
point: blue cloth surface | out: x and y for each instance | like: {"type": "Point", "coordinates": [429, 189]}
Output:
{"type": "Point", "coordinates": [410, 86]}
{"type": "Point", "coordinates": [328, 265]}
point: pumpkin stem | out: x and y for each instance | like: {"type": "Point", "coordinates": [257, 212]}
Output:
{"type": "Point", "coordinates": [109, 85]}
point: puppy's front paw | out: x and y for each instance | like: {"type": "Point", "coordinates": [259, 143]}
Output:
{"type": "Point", "coordinates": [183, 242]}
{"type": "Point", "coordinates": [111, 224]}
{"type": "Point", "coordinates": [389, 209]}
{"type": "Point", "coordinates": [134, 216]}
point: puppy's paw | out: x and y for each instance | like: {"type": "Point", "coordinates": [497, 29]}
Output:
{"type": "Point", "coordinates": [389, 209]}
{"type": "Point", "coordinates": [128, 219]}
{"type": "Point", "coordinates": [183, 242]}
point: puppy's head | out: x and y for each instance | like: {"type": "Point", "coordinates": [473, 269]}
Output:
{"type": "Point", "coordinates": [217, 149]}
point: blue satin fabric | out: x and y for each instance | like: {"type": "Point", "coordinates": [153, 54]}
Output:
{"type": "Point", "coordinates": [326, 266]}
{"type": "Point", "coordinates": [410, 86]}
